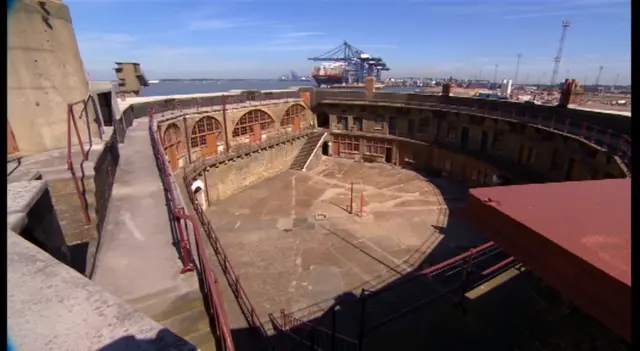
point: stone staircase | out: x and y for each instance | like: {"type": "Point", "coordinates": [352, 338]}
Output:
{"type": "Point", "coordinates": [306, 151]}
{"type": "Point", "coordinates": [180, 310]}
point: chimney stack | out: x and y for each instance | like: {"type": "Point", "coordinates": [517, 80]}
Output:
{"type": "Point", "coordinates": [369, 86]}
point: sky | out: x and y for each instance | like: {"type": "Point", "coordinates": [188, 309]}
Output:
{"type": "Point", "coordinates": [416, 38]}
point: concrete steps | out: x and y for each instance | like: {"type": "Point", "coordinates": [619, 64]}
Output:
{"type": "Point", "coordinates": [181, 311]}
{"type": "Point", "coordinates": [306, 151]}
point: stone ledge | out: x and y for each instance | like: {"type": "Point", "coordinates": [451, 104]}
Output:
{"type": "Point", "coordinates": [72, 310]}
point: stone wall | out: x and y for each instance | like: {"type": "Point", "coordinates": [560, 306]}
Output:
{"type": "Point", "coordinates": [51, 307]}
{"type": "Point", "coordinates": [31, 214]}
{"type": "Point", "coordinates": [544, 153]}
{"type": "Point", "coordinates": [236, 174]}
{"type": "Point", "coordinates": [615, 123]}
{"type": "Point", "coordinates": [96, 185]}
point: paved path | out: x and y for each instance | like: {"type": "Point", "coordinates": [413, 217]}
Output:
{"type": "Point", "coordinates": [136, 256]}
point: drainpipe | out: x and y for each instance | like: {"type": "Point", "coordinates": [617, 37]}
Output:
{"type": "Point", "coordinates": [224, 120]}
{"type": "Point", "coordinates": [187, 139]}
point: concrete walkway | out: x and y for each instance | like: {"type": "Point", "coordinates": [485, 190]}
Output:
{"type": "Point", "coordinates": [136, 256]}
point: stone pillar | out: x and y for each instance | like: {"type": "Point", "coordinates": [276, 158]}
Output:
{"type": "Point", "coordinates": [45, 73]}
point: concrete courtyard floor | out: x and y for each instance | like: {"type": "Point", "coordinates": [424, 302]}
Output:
{"type": "Point", "coordinates": [295, 246]}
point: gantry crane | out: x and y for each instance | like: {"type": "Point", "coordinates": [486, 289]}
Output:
{"type": "Point", "coordinates": [358, 64]}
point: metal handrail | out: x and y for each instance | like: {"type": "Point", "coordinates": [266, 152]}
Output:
{"type": "Point", "coordinates": [71, 120]}
{"type": "Point", "coordinates": [232, 277]}
{"type": "Point", "coordinates": [214, 297]}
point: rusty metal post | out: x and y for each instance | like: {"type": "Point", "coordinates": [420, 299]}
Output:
{"type": "Point", "coordinates": [206, 187]}
{"type": "Point", "coordinates": [187, 139]}
{"type": "Point", "coordinates": [333, 328]}
{"type": "Point", "coordinates": [351, 200]}
{"type": "Point", "coordinates": [465, 281]}
{"type": "Point", "coordinates": [224, 121]}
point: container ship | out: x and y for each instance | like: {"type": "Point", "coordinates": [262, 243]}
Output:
{"type": "Point", "coordinates": [327, 74]}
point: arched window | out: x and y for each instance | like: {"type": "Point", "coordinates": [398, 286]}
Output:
{"type": "Point", "coordinates": [172, 137]}
{"type": "Point", "coordinates": [205, 126]}
{"type": "Point", "coordinates": [250, 119]}
{"type": "Point", "coordinates": [292, 112]}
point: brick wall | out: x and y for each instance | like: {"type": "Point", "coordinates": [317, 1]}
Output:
{"type": "Point", "coordinates": [512, 147]}
{"type": "Point", "coordinates": [232, 176]}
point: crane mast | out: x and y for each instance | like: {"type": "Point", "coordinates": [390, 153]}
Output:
{"type": "Point", "coordinates": [565, 25]}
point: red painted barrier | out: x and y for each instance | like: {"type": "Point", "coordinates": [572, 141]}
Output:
{"type": "Point", "coordinates": [184, 223]}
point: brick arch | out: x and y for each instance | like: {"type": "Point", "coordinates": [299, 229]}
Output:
{"type": "Point", "coordinates": [172, 138]}
{"type": "Point", "coordinates": [293, 116]}
{"type": "Point", "coordinates": [253, 122]}
{"type": "Point", "coordinates": [202, 129]}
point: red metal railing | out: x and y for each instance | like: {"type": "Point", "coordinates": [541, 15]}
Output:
{"type": "Point", "coordinates": [316, 336]}
{"type": "Point", "coordinates": [232, 278]}
{"type": "Point", "coordinates": [183, 222]}
{"type": "Point", "coordinates": [71, 121]}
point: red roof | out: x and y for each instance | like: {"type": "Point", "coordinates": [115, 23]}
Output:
{"type": "Point", "coordinates": [591, 219]}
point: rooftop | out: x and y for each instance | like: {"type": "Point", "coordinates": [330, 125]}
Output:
{"type": "Point", "coordinates": [590, 219]}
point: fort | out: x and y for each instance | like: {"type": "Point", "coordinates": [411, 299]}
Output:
{"type": "Point", "coordinates": [308, 218]}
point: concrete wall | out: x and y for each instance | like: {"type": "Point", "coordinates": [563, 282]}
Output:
{"type": "Point", "coordinates": [81, 237]}
{"type": "Point", "coordinates": [52, 307]}
{"type": "Point", "coordinates": [45, 73]}
{"type": "Point", "coordinates": [508, 143]}
{"type": "Point", "coordinates": [232, 176]}
{"type": "Point", "coordinates": [32, 215]}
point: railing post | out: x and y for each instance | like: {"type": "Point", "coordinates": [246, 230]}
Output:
{"type": "Point", "coordinates": [333, 328]}
{"type": "Point", "coordinates": [566, 125]}
{"type": "Point", "coordinates": [363, 312]}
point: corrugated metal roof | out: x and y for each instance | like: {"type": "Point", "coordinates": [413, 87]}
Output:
{"type": "Point", "coordinates": [591, 219]}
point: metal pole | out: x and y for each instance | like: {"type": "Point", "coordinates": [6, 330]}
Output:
{"type": "Point", "coordinates": [351, 200]}
{"type": "Point", "coordinates": [363, 309]}
{"type": "Point", "coordinates": [361, 204]}
{"type": "Point", "coordinates": [333, 328]}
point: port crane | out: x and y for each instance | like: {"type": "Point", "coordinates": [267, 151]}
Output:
{"type": "Point", "coordinates": [358, 63]}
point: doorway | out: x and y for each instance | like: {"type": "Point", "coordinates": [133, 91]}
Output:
{"type": "Point", "coordinates": [573, 170]}
{"type": "Point", "coordinates": [388, 155]}
{"type": "Point", "coordinates": [325, 148]}
{"type": "Point", "coordinates": [484, 141]}
{"type": "Point", "coordinates": [104, 103]}
{"type": "Point", "coordinates": [411, 128]}
{"type": "Point", "coordinates": [323, 120]}
{"type": "Point", "coordinates": [464, 138]}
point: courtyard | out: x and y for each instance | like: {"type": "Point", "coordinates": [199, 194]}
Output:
{"type": "Point", "coordinates": [295, 244]}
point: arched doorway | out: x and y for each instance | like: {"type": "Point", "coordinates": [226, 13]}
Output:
{"type": "Point", "coordinates": [252, 124]}
{"type": "Point", "coordinates": [173, 145]}
{"type": "Point", "coordinates": [204, 136]}
{"type": "Point", "coordinates": [197, 188]}
{"type": "Point", "coordinates": [293, 117]}
{"type": "Point", "coordinates": [323, 119]}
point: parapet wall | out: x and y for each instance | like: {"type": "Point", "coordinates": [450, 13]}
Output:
{"type": "Point", "coordinates": [229, 177]}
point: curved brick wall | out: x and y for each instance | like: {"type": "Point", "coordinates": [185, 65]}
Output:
{"type": "Point", "coordinates": [470, 139]}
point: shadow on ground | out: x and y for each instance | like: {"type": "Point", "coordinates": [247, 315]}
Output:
{"type": "Point", "coordinates": [458, 306]}
{"type": "Point", "coordinates": [165, 340]}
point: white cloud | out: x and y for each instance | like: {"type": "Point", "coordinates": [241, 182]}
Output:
{"type": "Point", "coordinates": [300, 34]}
{"type": "Point", "coordinates": [223, 24]}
